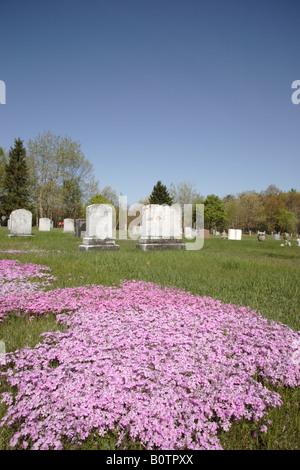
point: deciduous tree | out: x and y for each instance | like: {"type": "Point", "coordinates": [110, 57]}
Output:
{"type": "Point", "coordinates": [57, 163]}
{"type": "Point", "coordinates": [214, 213]}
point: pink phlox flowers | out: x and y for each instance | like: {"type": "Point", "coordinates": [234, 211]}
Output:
{"type": "Point", "coordinates": [159, 364]}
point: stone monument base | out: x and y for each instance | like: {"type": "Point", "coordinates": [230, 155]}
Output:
{"type": "Point", "coordinates": [91, 243]}
{"type": "Point", "coordinates": [151, 244]}
{"type": "Point", "coordinates": [18, 235]}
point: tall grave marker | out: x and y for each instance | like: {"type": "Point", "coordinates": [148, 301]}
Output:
{"type": "Point", "coordinates": [161, 228]}
{"type": "Point", "coordinates": [100, 223]}
{"type": "Point", "coordinates": [20, 223]}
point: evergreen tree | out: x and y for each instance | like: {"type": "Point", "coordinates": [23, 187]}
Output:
{"type": "Point", "coordinates": [16, 194]}
{"type": "Point", "coordinates": [160, 195]}
{"type": "Point", "coordinates": [3, 158]}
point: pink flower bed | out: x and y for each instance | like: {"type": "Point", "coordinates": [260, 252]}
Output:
{"type": "Point", "coordinates": [157, 364]}
{"type": "Point", "coordinates": [16, 278]}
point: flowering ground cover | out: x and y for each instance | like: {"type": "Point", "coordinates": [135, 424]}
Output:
{"type": "Point", "coordinates": [156, 364]}
{"type": "Point", "coordinates": [16, 278]}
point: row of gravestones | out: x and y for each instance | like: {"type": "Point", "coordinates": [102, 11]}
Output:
{"type": "Point", "coordinates": [161, 227]}
{"type": "Point", "coordinates": [20, 224]}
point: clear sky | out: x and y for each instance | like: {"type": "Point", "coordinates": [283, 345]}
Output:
{"type": "Point", "coordinates": [169, 90]}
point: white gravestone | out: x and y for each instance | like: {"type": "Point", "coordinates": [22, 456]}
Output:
{"type": "Point", "coordinates": [100, 234]}
{"type": "Point", "coordinates": [44, 224]}
{"type": "Point", "coordinates": [69, 226]}
{"type": "Point", "coordinates": [20, 223]}
{"type": "Point", "coordinates": [234, 234]}
{"type": "Point", "coordinates": [161, 228]}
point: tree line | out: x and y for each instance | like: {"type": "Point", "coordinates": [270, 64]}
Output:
{"type": "Point", "coordinates": [271, 210]}
{"type": "Point", "coordinates": [52, 178]}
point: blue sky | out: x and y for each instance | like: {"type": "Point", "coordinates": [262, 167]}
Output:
{"type": "Point", "coordinates": [166, 90]}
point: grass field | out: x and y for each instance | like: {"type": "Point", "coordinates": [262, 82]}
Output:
{"type": "Point", "coordinates": [262, 275]}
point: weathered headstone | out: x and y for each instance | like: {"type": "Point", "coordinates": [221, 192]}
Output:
{"type": "Point", "coordinates": [68, 225]}
{"type": "Point", "coordinates": [277, 236]}
{"type": "Point", "coordinates": [80, 228]}
{"type": "Point", "coordinates": [261, 236]}
{"type": "Point", "coordinates": [203, 233]}
{"type": "Point", "coordinates": [44, 224]}
{"type": "Point", "coordinates": [99, 234]}
{"type": "Point", "coordinates": [298, 241]}
{"type": "Point", "coordinates": [161, 228]}
{"type": "Point", "coordinates": [20, 223]}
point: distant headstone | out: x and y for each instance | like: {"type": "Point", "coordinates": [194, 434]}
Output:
{"type": "Point", "coordinates": [20, 223]}
{"type": "Point", "coordinates": [69, 226]}
{"type": "Point", "coordinates": [161, 228]}
{"type": "Point", "coordinates": [234, 234]}
{"type": "Point", "coordinates": [99, 228]}
{"type": "Point", "coordinates": [261, 236]}
{"type": "Point", "coordinates": [277, 236]}
{"type": "Point", "coordinates": [298, 241]}
{"type": "Point", "coordinates": [238, 234]}
{"type": "Point", "coordinates": [44, 224]}
{"type": "Point", "coordinates": [203, 233]}
{"type": "Point", "coordinates": [80, 228]}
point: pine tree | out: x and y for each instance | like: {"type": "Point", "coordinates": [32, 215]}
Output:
{"type": "Point", "coordinates": [160, 195]}
{"type": "Point", "coordinates": [16, 193]}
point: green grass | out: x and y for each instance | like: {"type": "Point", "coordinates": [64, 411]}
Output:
{"type": "Point", "coordinates": [262, 275]}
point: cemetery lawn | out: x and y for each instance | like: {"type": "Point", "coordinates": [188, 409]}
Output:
{"type": "Point", "coordinates": [261, 275]}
